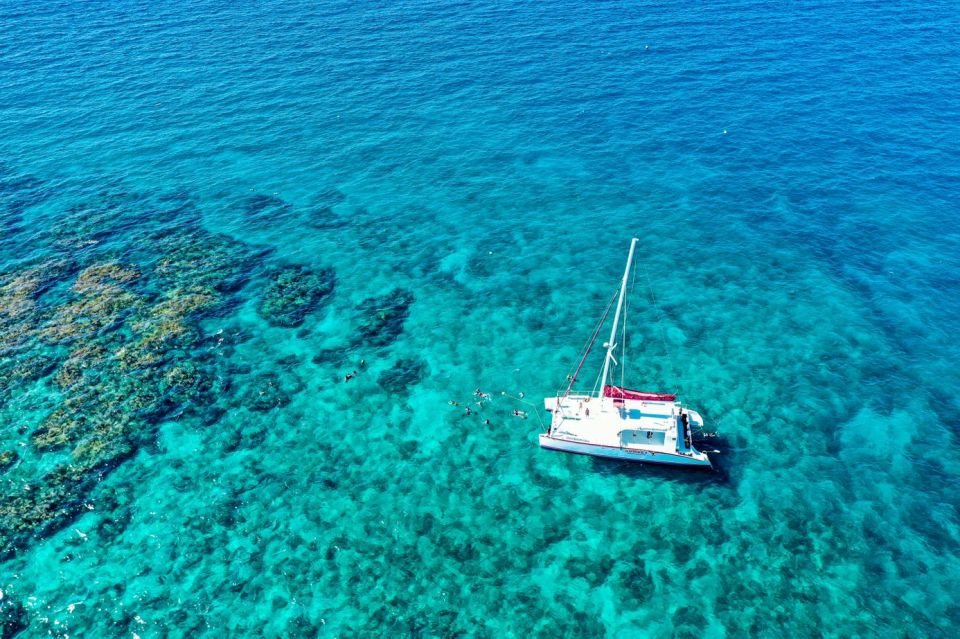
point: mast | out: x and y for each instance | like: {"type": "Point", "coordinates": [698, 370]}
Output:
{"type": "Point", "coordinates": [616, 318]}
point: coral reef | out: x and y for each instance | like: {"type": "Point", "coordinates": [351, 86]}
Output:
{"type": "Point", "coordinates": [19, 300]}
{"type": "Point", "coordinates": [103, 300]}
{"type": "Point", "coordinates": [105, 277]}
{"type": "Point", "coordinates": [266, 392]}
{"type": "Point", "coordinates": [86, 359]}
{"type": "Point", "coordinates": [293, 292]}
{"type": "Point", "coordinates": [13, 618]}
{"type": "Point", "coordinates": [60, 428]}
{"type": "Point", "coordinates": [324, 217]}
{"type": "Point", "coordinates": [321, 214]}
{"type": "Point", "coordinates": [330, 196]}
{"type": "Point", "coordinates": [382, 318]}
{"type": "Point", "coordinates": [334, 356]}
{"type": "Point", "coordinates": [7, 459]}
{"type": "Point", "coordinates": [16, 372]}
{"type": "Point", "coordinates": [125, 348]}
{"type": "Point", "coordinates": [32, 368]}
{"type": "Point", "coordinates": [404, 373]}
{"type": "Point", "coordinates": [203, 260]}
{"type": "Point", "coordinates": [263, 209]}
{"type": "Point", "coordinates": [20, 191]}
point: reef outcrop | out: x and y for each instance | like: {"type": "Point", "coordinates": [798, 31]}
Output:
{"type": "Point", "coordinates": [382, 318]}
{"type": "Point", "coordinates": [121, 346]}
{"type": "Point", "coordinates": [404, 373]}
{"type": "Point", "coordinates": [294, 292]}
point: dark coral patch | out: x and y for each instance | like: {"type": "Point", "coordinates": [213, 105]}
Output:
{"type": "Point", "coordinates": [18, 192]}
{"type": "Point", "coordinates": [84, 361]}
{"type": "Point", "coordinates": [189, 383]}
{"type": "Point", "coordinates": [204, 260]}
{"type": "Point", "coordinates": [7, 459]}
{"type": "Point", "coordinates": [16, 372]}
{"type": "Point", "coordinates": [265, 208]}
{"type": "Point", "coordinates": [34, 367]}
{"type": "Point", "coordinates": [293, 292]}
{"type": "Point", "coordinates": [266, 392]}
{"type": "Point", "coordinates": [330, 356]}
{"type": "Point", "coordinates": [20, 307]}
{"type": "Point", "coordinates": [382, 318]}
{"type": "Point", "coordinates": [330, 196]}
{"type": "Point", "coordinates": [58, 429]}
{"type": "Point", "coordinates": [46, 506]}
{"type": "Point", "coordinates": [323, 214]}
{"type": "Point", "coordinates": [13, 618]}
{"type": "Point", "coordinates": [324, 217]}
{"type": "Point", "coordinates": [404, 373]}
{"type": "Point", "coordinates": [103, 298]}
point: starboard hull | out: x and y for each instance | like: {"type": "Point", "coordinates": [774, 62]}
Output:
{"type": "Point", "coordinates": [623, 454]}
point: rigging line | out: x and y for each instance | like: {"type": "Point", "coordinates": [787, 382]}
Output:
{"type": "Point", "coordinates": [590, 344]}
{"type": "Point", "coordinates": [536, 409]}
{"type": "Point", "coordinates": [586, 347]}
{"type": "Point", "coordinates": [596, 383]}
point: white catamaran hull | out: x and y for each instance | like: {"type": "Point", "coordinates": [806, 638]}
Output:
{"type": "Point", "coordinates": [617, 422]}
{"type": "Point", "coordinates": [625, 454]}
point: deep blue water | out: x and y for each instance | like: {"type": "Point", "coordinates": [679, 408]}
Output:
{"type": "Point", "coordinates": [210, 213]}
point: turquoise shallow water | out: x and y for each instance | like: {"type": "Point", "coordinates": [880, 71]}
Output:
{"type": "Point", "coordinates": [198, 204]}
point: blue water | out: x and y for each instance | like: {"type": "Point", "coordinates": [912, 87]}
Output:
{"type": "Point", "coordinates": [210, 213]}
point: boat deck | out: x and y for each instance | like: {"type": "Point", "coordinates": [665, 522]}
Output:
{"type": "Point", "coordinates": [628, 426]}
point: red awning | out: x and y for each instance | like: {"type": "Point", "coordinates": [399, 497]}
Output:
{"type": "Point", "coordinates": [625, 393]}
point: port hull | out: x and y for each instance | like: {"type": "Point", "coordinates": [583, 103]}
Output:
{"type": "Point", "coordinates": [623, 454]}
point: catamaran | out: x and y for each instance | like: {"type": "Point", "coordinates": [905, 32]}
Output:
{"type": "Point", "coordinates": [619, 423]}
